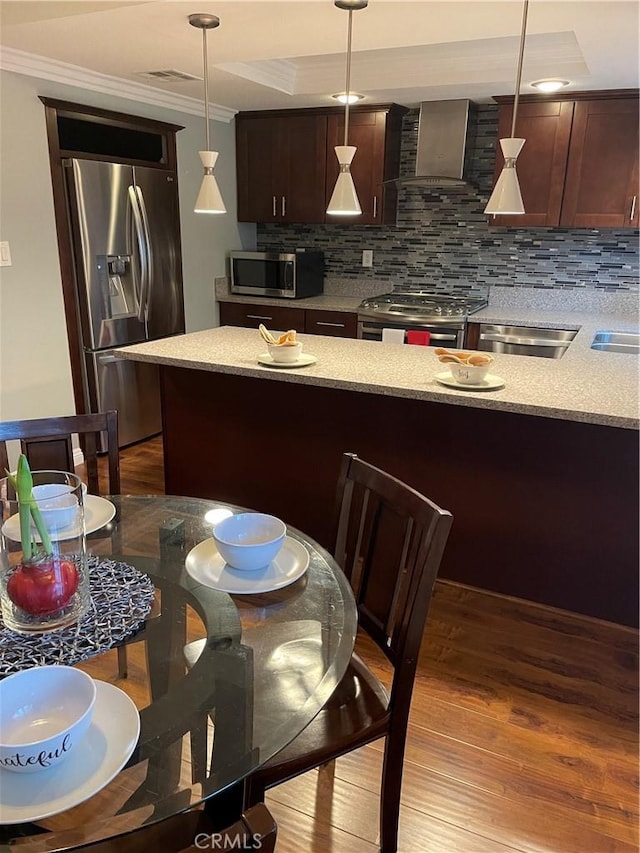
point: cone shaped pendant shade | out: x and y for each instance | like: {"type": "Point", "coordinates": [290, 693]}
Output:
{"type": "Point", "coordinates": [209, 198]}
{"type": "Point", "coordinates": [344, 200]}
{"type": "Point", "coordinates": [506, 197]}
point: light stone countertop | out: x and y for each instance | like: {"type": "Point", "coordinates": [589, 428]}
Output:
{"type": "Point", "coordinates": [555, 319]}
{"type": "Point", "coordinates": [583, 385]}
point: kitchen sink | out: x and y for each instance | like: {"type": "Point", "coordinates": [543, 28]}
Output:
{"type": "Point", "coordinates": [627, 342]}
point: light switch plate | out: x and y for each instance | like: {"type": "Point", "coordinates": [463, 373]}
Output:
{"type": "Point", "coordinates": [367, 257]}
{"type": "Point", "coordinates": [5, 254]}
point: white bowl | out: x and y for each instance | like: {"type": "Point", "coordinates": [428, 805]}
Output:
{"type": "Point", "coordinates": [44, 713]}
{"type": "Point", "coordinates": [249, 540]}
{"type": "Point", "coordinates": [58, 505]}
{"type": "Point", "coordinates": [468, 374]}
{"type": "Point", "coordinates": [285, 354]}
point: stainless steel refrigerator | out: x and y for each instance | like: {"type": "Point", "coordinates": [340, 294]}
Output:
{"type": "Point", "coordinates": [126, 243]}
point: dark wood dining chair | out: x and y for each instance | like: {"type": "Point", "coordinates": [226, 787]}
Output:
{"type": "Point", "coordinates": [389, 539]}
{"type": "Point", "coordinates": [47, 444]}
{"type": "Point", "coordinates": [185, 833]}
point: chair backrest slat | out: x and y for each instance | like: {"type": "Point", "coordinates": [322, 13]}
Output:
{"type": "Point", "coordinates": [389, 539]}
{"type": "Point", "coordinates": [49, 453]}
{"type": "Point", "coordinates": [46, 442]}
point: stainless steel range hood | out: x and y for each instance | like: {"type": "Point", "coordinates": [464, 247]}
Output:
{"type": "Point", "coordinates": [445, 139]}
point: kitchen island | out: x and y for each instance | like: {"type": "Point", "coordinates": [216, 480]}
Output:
{"type": "Point", "coordinates": [541, 476]}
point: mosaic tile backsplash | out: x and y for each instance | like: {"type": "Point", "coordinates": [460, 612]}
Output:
{"type": "Point", "coordinates": [442, 240]}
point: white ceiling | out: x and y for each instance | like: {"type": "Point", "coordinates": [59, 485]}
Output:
{"type": "Point", "coordinates": [268, 55]}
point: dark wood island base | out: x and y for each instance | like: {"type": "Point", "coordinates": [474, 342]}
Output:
{"type": "Point", "coordinates": [544, 509]}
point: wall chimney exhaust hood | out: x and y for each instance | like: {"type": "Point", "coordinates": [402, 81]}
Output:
{"type": "Point", "coordinates": [445, 141]}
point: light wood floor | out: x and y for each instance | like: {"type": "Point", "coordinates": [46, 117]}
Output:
{"type": "Point", "coordinates": [523, 733]}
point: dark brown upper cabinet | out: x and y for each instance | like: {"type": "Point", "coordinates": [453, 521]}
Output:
{"type": "Point", "coordinates": [376, 133]}
{"type": "Point", "coordinates": [91, 133]}
{"type": "Point", "coordinates": [601, 188]}
{"type": "Point", "coordinates": [542, 162]}
{"type": "Point", "coordinates": [287, 167]}
{"type": "Point", "coordinates": [280, 167]}
{"type": "Point", "coordinates": [579, 165]}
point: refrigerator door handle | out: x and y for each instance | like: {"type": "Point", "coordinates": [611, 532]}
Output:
{"type": "Point", "coordinates": [147, 238]}
{"type": "Point", "coordinates": [108, 359]}
{"type": "Point", "coordinates": [142, 250]}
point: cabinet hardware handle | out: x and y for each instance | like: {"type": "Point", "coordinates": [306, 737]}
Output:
{"type": "Point", "coordinates": [633, 208]}
{"type": "Point", "coordinates": [284, 206]}
{"type": "Point", "coordinates": [258, 317]}
{"type": "Point", "coordinates": [274, 205]}
{"type": "Point", "coordinates": [375, 206]}
{"type": "Point", "coordinates": [334, 325]}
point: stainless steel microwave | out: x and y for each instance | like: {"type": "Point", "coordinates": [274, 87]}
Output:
{"type": "Point", "coordinates": [291, 275]}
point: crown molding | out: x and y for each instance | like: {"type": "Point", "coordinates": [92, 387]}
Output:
{"type": "Point", "coordinates": [31, 65]}
{"type": "Point", "coordinates": [279, 74]}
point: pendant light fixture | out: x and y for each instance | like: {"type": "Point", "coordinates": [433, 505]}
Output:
{"type": "Point", "coordinates": [506, 197]}
{"type": "Point", "coordinates": [344, 201]}
{"type": "Point", "coordinates": [209, 199]}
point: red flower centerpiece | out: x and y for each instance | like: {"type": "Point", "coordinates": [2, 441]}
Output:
{"type": "Point", "coordinates": [45, 586]}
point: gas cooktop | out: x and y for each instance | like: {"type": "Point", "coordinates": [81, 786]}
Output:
{"type": "Point", "coordinates": [423, 304]}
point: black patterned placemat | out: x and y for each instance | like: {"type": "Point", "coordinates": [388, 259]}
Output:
{"type": "Point", "coordinates": [121, 598]}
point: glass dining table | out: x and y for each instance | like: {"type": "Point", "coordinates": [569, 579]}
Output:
{"type": "Point", "coordinates": [222, 680]}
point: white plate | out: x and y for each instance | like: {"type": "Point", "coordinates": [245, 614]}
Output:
{"type": "Point", "coordinates": [303, 361]}
{"type": "Point", "coordinates": [97, 512]}
{"type": "Point", "coordinates": [206, 566]}
{"type": "Point", "coordinates": [105, 749]}
{"type": "Point", "coordinates": [489, 383]}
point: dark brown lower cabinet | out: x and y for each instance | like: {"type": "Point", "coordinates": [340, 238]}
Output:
{"type": "Point", "coordinates": [251, 316]}
{"type": "Point", "coordinates": [543, 509]}
{"type": "Point", "coordinates": [335, 324]}
{"type": "Point", "coordinates": [338, 324]}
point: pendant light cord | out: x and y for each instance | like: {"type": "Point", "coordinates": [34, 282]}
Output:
{"type": "Point", "coordinates": [348, 80]}
{"type": "Point", "coordinates": [519, 71]}
{"type": "Point", "coordinates": [206, 86]}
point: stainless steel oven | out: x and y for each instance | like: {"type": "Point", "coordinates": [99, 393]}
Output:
{"type": "Point", "coordinates": [440, 336]}
{"type": "Point", "coordinates": [444, 317]}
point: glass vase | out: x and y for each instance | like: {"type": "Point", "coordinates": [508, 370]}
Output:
{"type": "Point", "coordinates": [44, 579]}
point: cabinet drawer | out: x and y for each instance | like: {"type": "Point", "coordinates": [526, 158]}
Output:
{"type": "Point", "coordinates": [276, 317]}
{"type": "Point", "coordinates": [336, 324]}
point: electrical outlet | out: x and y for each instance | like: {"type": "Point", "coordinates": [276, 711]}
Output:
{"type": "Point", "coordinates": [367, 257]}
{"type": "Point", "coordinates": [5, 254]}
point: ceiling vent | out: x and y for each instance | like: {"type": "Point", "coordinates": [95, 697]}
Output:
{"type": "Point", "coordinates": [169, 75]}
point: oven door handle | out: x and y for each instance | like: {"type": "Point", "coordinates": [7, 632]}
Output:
{"type": "Point", "coordinates": [439, 336]}
{"type": "Point", "coordinates": [366, 329]}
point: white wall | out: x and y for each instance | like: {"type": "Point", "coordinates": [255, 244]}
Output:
{"type": "Point", "coordinates": [35, 374]}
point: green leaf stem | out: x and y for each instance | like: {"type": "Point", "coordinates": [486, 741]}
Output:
{"type": "Point", "coordinates": [27, 509]}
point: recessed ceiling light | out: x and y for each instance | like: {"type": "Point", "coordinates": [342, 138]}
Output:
{"type": "Point", "coordinates": [354, 97]}
{"type": "Point", "coordinates": [550, 85]}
